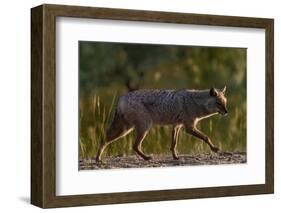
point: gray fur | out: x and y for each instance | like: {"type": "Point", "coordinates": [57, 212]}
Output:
{"type": "Point", "coordinates": [141, 109]}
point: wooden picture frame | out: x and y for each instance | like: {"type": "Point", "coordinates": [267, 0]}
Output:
{"type": "Point", "coordinates": [43, 105]}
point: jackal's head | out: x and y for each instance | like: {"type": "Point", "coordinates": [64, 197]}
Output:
{"type": "Point", "coordinates": [218, 100]}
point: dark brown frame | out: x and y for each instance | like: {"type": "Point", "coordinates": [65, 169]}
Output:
{"type": "Point", "coordinates": [43, 105]}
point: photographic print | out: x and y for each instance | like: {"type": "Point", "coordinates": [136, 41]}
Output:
{"type": "Point", "coordinates": [152, 105]}
{"type": "Point", "coordinates": [155, 100]}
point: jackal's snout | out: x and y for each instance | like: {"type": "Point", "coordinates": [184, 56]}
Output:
{"type": "Point", "coordinates": [224, 112]}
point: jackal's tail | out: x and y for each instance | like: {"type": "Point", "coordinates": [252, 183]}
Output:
{"type": "Point", "coordinates": [117, 121]}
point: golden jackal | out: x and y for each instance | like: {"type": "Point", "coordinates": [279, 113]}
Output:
{"type": "Point", "coordinates": [141, 109]}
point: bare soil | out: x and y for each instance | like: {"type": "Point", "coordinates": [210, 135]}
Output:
{"type": "Point", "coordinates": [134, 161]}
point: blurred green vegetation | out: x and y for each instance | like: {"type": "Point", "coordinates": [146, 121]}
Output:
{"type": "Point", "coordinates": [108, 70]}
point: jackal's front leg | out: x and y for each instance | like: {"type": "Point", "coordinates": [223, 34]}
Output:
{"type": "Point", "coordinates": [175, 135]}
{"type": "Point", "coordinates": [197, 133]}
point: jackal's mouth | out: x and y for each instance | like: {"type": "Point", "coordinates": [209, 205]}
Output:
{"type": "Point", "coordinates": [225, 112]}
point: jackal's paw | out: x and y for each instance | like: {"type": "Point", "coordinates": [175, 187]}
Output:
{"type": "Point", "coordinates": [215, 149]}
{"type": "Point", "coordinates": [175, 157]}
{"type": "Point", "coordinates": [147, 158]}
{"type": "Point", "coordinates": [98, 161]}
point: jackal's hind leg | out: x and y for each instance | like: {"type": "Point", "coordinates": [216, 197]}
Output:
{"type": "Point", "coordinates": [175, 135]}
{"type": "Point", "coordinates": [197, 133]}
{"type": "Point", "coordinates": [113, 134]}
{"type": "Point", "coordinates": [100, 151]}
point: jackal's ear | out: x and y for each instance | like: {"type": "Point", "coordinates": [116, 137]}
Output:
{"type": "Point", "coordinates": [223, 90]}
{"type": "Point", "coordinates": [213, 92]}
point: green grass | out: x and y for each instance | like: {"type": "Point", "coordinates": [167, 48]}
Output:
{"type": "Point", "coordinates": [95, 115]}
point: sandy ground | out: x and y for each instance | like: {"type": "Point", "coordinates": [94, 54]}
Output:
{"type": "Point", "coordinates": [134, 161]}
